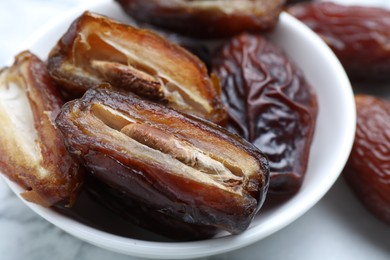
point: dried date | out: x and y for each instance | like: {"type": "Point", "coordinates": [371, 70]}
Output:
{"type": "Point", "coordinates": [96, 49]}
{"type": "Point", "coordinates": [206, 19]}
{"type": "Point", "coordinates": [270, 104]}
{"type": "Point", "coordinates": [358, 35]}
{"type": "Point", "coordinates": [32, 152]}
{"type": "Point", "coordinates": [179, 165]}
{"type": "Point", "coordinates": [367, 170]}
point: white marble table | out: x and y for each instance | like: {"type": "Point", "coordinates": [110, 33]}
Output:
{"type": "Point", "coordinates": [338, 227]}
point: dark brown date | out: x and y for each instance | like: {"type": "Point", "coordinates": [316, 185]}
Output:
{"type": "Point", "coordinates": [367, 170]}
{"type": "Point", "coordinates": [270, 104]}
{"type": "Point", "coordinates": [179, 165]}
{"type": "Point", "coordinates": [289, 2]}
{"type": "Point", "coordinates": [358, 35]}
{"type": "Point", "coordinates": [32, 152]}
{"type": "Point", "coordinates": [142, 216]}
{"type": "Point", "coordinates": [206, 19]}
{"type": "Point", "coordinates": [96, 49]}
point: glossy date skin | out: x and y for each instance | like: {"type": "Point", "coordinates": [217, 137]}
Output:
{"type": "Point", "coordinates": [32, 152]}
{"type": "Point", "coordinates": [96, 49]}
{"type": "Point", "coordinates": [179, 165]}
{"type": "Point", "coordinates": [358, 35]}
{"type": "Point", "coordinates": [270, 104]}
{"type": "Point", "coordinates": [367, 170]}
{"type": "Point", "coordinates": [206, 19]}
{"type": "Point", "coordinates": [144, 217]}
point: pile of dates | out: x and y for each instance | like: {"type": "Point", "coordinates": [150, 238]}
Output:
{"type": "Point", "coordinates": [360, 37]}
{"type": "Point", "coordinates": [150, 131]}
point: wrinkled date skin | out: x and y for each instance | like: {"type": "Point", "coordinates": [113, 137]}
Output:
{"type": "Point", "coordinates": [206, 19]}
{"type": "Point", "coordinates": [182, 166]}
{"type": "Point", "coordinates": [367, 170]}
{"type": "Point", "coordinates": [96, 49]}
{"type": "Point", "coordinates": [144, 217]}
{"type": "Point", "coordinates": [32, 152]}
{"type": "Point", "coordinates": [270, 104]}
{"type": "Point", "coordinates": [358, 35]}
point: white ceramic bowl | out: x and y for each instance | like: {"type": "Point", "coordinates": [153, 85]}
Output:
{"type": "Point", "coordinates": [330, 149]}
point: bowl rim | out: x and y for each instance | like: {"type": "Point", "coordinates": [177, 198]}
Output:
{"type": "Point", "coordinates": [178, 250]}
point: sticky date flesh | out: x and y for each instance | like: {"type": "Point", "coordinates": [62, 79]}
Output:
{"type": "Point", "coordinates": [32, 152]}
{"type": "Point", "coordinates": [206, 19]}
{"type": "Point", "coordinates": [96, 49]}
{"type": "Point", "coordinates": [358, 35]}
{"type": "Point", "coordinates": [270, 104]}
{"type": "Point", "coordinates": [182, 166]}
{"type": "Point", "coordinates": [367, 170]}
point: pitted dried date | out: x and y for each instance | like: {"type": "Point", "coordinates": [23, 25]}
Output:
{"type": "Point", "coordinates": [367, 170]}
{"type": "Point", "coordinates": [206, 19]}
{"type": "Point", "coordinates": [179, 165]}
{"type": "Point", "coordinates": [358, 35]}
{"type": "Point", "coordinates": [96, 49]}
{"type": "Point", "coordinates": [32, 152]}
{"type": "Point", "coordinates": [270, 104]}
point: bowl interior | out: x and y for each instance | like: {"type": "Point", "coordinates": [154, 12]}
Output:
{"type": "Point", "coordinates": [330, 149]}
